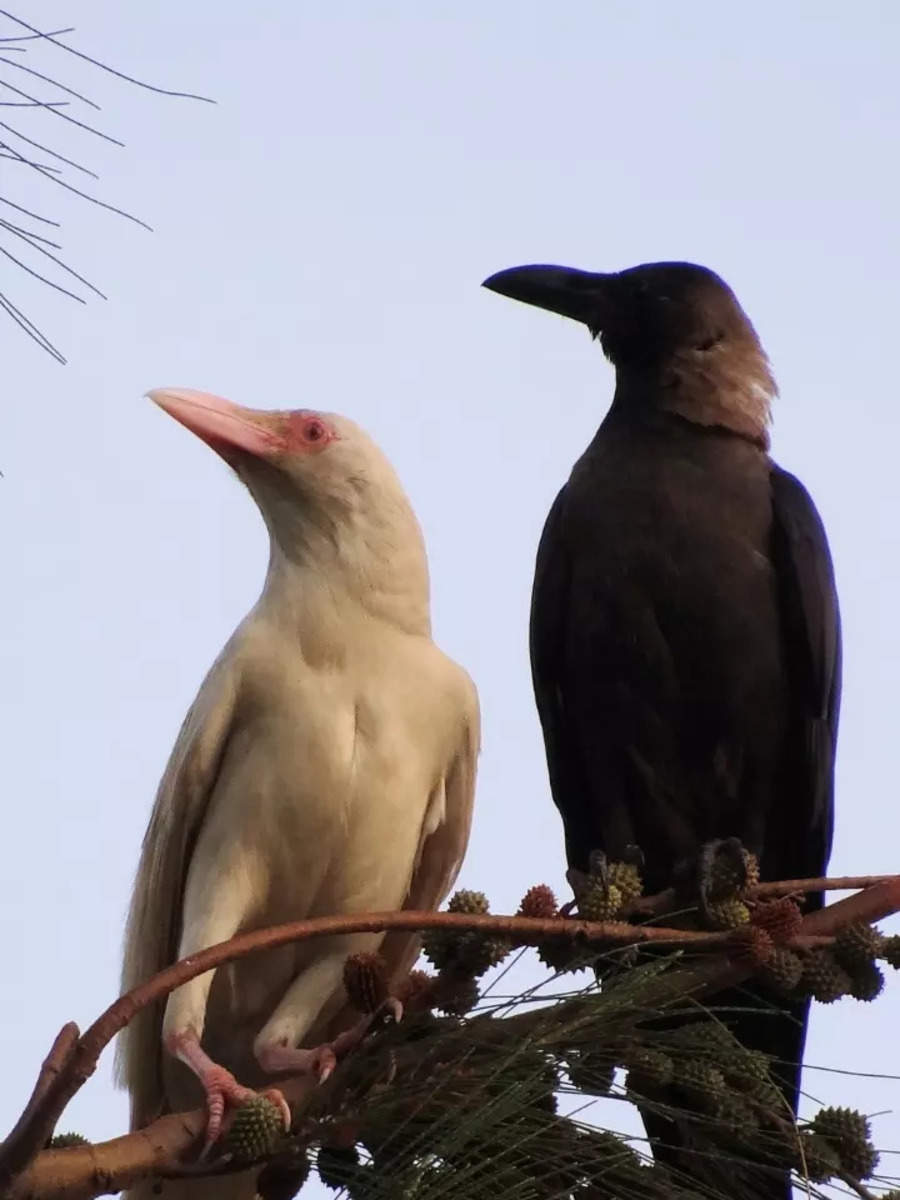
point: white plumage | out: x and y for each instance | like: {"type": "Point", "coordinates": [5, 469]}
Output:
{"type": "Point", "coordinates": [326, 766]}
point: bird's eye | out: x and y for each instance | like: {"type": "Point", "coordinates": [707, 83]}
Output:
{"type": "Point", "coordinates": [313, 431]}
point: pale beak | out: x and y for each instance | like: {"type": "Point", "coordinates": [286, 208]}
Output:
{"type": "Point", "coordinates": [224, 426]}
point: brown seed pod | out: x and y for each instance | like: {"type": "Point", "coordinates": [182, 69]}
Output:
{"type": "Point", "coordinates": [539, 902]}
{"type": "Point", "coordinates": [780, 918]}
{"type": "Point", "coordinates": [752, 945]}
{"type": "Point", "coordinates": [365, 981]}
{"type": "Point", "coordinates": [416, 991]}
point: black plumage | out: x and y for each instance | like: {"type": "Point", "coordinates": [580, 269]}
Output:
{"type": "Point", "coordinates": [685, 636]}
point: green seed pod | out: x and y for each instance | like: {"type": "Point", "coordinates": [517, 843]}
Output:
{"type": "Point", "coordinates": [598, 903]}
{"type": "Point", "coordinates": [857, 945]}
{"type": "Point", "coordinates": [466, 901]}
{"type": "Point", "coordinates": [823, 978]}
{"type": "Point", "coordinates": [847, 1132]}
{"type": "Point", "coordinates": [61, 1141]}
{"type": "Point", "coordinates": [728, 914]}
{"type": "Point", "coordinates": [867, 980]}
{"type": "Point", "coordinates": [257, 1126]}
{"type": "Point", "coordinates": [890, 951]}
{"type": "Point", "coordinates": [627, 878]}
{"type": "Point", "coordinates": [783, 971]}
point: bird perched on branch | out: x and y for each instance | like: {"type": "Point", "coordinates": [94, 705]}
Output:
{"type": "Point", "coordinates": [327, 766]}
{"type": "Point", "coordinates": [685, 637]}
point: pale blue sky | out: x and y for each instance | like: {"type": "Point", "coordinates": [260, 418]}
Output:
{"type": "Point", "coordinates": [320, 238]}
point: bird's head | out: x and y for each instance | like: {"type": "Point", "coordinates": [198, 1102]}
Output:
{"type": "Point", "coordinates": [328, 495]}
{"type": "Point", "coordinates": [671, 329]}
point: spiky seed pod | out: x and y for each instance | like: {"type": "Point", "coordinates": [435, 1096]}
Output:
{"type": "Point", "coordinates": [711, 1039]}
{"type": "Point", "coordinates": [699, 1082]}
{"type": "Point", "coordinates": [752, 945]}
{"type": "Point", "coordinates": [599, 903]}
{"type": "Point", "coordinates": [467, 901]}
{"type": "Point", "coordinates": [437, 946]}
{"type": "Point", "coordinates": [282, 1180]}
{"type": "Point", "coordinates": [337, 1165]}
{"type": "Point", "coordinates": [818, 1160]}
{"type": "Point", "coordinates": [365, 981]}
{"type": "Point", "coordinates": [748, 1073]}
{"type": "Point", "coordinates": [783, 971]}
{"type": "Point", "coordinates": [727, 880]}
{"type": "Point", "coordinates": [857, 945]}
{"type": "Point", "coordinates": [823, 978]}
{"type": "Point", "coordinates": [539, 902]}
{"type": "Point", "coordinates": [465, 952]}
{"type": "Point", "coordinates": [627, 878]}
{"type": "Point", "coordinates": [416, 991]}
{"type": "Point", "coordinates": [890, 951]}
{"type": "Point", "coordinates": [255, 1130]}
{"type": "Point", "coordinates": [735, 1114]}
{"type": "Point", "coordinates": [475, 953]}
{"type": "Point", "coordinates": [648, 1071]}
{"type": "Point", "coordinates": [61, 1141]}
{"type": "Point", "coordinates": [728, 914]}
{"type": "Point", "coordinates": [847, 1132]}
{"type": "Point", "coordinates": [867, 981]}
{"type": "Point", "coordinates": [455, 995]}
{"type": "Point", "coordinates": [780, 918]}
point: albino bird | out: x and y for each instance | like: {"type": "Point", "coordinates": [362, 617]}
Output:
{"type": "Point", "coordinates": [326, 766]}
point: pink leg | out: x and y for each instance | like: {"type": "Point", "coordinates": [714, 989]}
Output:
{"type": "Point", "coordinates": [220, 1086]}
{"type": "Point", "coordinates": [279, 1057]}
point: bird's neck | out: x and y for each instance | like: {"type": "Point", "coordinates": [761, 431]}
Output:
{"type": "Point", "coordinates": [327, 585]}
{"type": "Point", "coordinates": [723, 387]}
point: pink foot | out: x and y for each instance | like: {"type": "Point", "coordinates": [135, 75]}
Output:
{"type": "Point", "coordinates": [279, 1058]}
{"type": "Point", "coordinates": [276, 1059]}
{"type": "Point", "coordinates": [220, 1086]}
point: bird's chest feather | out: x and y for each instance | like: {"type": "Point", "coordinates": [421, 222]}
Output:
{"type": "Point", "coordinates": [679, 528]}
{"type": "Point", "coordinates": [327, 782]}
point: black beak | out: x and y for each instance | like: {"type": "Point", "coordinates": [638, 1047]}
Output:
{"type": "Point", "coordinates": [584, 296]}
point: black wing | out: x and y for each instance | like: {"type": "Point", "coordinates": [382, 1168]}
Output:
{"type": "Point", "coordinates": [812, 630]}
{"type": "Point", "coordinates": [549, 613]}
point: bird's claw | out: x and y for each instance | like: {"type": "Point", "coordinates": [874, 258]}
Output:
{"type": "Point", "coordinates": [279, 1059]}
{"type": "Point", "coordinates": [324, 1062]}
{"type": "Point", "coordinates": [274, 1096]}
{"type": "Point", "coordinates": [221, 1089]}
{"type": "Point", "coordinates": [390, 1012]}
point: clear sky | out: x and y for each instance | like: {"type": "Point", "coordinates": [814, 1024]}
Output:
{"type": "Point", "coordinates": [320, 237]}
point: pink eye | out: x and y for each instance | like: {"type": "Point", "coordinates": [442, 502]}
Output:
{"type": "Point", "coordinates": [313, 431]}
{"type": "Point", "coordinates": [307, 432]}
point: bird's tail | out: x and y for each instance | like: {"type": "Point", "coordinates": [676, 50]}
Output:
{"type": "Point", "coordinates": [778, 1031]}
{"type": "Point", "coordinates": [223, 1187]}
{"type": "Point", "coordinates": [148, 950]}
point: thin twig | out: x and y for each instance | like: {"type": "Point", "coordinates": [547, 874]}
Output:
{"type": "Point", "coordinates": [51, 38]}
{"type": "Point", "coordinates": [48, 79]}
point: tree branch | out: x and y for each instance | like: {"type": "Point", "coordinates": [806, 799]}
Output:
{"type": "Point", "coordinates": [80, 1173]}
